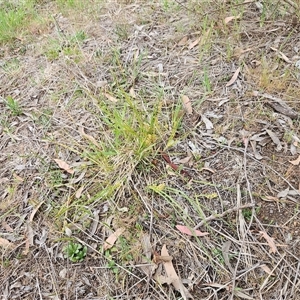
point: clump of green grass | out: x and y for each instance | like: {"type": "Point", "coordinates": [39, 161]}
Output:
{"type": "Point", "coordinates": [14, 18]}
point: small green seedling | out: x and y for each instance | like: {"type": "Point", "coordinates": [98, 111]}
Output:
{"type": "Point", "coordinates": [13, 106]}
{"type": "Point", "coordinates": [75, 252]}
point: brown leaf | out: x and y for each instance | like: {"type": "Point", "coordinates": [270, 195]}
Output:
{"type": "Point", "coordinates": [183, 41]}
{"type": "Point", "coordinates": [188, 231]}
{"type": "Point", "coordinates": [110, 98]}
{"type": "Point", "coordinates": [187, 104]}
{"type": "Point", "coordinates": [234, 77]}
{"type": "Point", "coordinates": [267, 270]}
{"type": "Point", "coordinates": [194, 43]}
{"type": "Point", "coordinates": [63, 165]}
{"type": "Point", "coordinates": [295, 162]}
{"type": "Point", "coordinates": [228, 19]}
{"type": "Point", "coordinates": [171, 273]}
{"type": "Point", "coordinates": [270, 241]}
{"type": "Point", "coordinates": [5, 243]}
{"type": "Point", "coordinates": [110, 241]}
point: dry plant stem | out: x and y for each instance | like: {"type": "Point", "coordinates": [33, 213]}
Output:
{"type": "Point", "coordinates": [150, 210]}
{"type": "Point", "coordinates": [291, 3]}
{"type": "Point", "coordinates": [266, 280]}
{"type": "Point", "coordinates": [218, 216]}
{"type": "Point", "coordinates": [242, 223]}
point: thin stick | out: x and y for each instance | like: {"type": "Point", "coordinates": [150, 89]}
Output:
{"type": "Point", "coordinates": [218, 216]}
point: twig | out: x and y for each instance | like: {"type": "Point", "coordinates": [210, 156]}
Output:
{"type": "Point", "coordinates": [218, 216]}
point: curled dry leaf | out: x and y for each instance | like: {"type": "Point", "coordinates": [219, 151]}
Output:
{"type": "Point", "coordinates": [63, 165]}
{"type": "Point", "coordinates": [188, 231]}
{"type": "Point", "coordinates": [270, 241]}
{"type": "Point", "coordinates": [110, 241]}
{"type": "Point", "coordinates": [295, 162]}
{"type": "Point", "coordinates": [234, 77]}
{"type": "Point", "coordinates": [187, 104]}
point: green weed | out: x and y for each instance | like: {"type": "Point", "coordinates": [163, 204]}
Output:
{"type": "Point", "coordinates": [14, 106]}
{"type": "Point", "coordinates": [75, 252]}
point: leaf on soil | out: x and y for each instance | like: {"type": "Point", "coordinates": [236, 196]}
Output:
{"type": "Point", "coordinates": [283, 193]}
{"type": "Point", "coordinates": [5, 243]}
{"type": "Point", "coordinates": [68, 231]}
{"type": "Point", "coordinates": [225, 253]}
{"type": "Point", "coordinates": [79, 192]}
{"type": "Point", "coordinates": [256, 153]}
{"type": "Point", "coordinates": [234, 77]}
{"type": "Point", "coordinates": [267, 270]}
{"type": "Point", "coordinates": [269, 198]}
{"type": "Point", "coordinates": [132, 92]}
{"type": "Point", "coordinates": [89, 137]}
{"type": "Point", "coordinates": [229, 19]}
{"type": "Point", "coordinates": [148, 268]}
{"type": "Point", "coordinates": [295, 162]}
{"type": "Point", "coordinates": [34, 211]}
{"type": "Point", "coordinates": [183, 41]}
{"type": "Point", "coordinates": [270, 241]}
{"type": "Point", "coordinates": [29, 240]}
{"type": "Point", "coordinates": [208, 124]}
{"type": "Point", "coordinates": [18, 178]}
{"type": "Point", "coordinates": [110, 241]}
{"type": "Point", "coordinates": [95, 222]}
{"type": "Point", "coordinates": [110, 98]}
{"type": "Point", "coordinates": [63, 165]}
{"type": "Point", "coordinates": [184, 160]}
{"type": "Point", "coordinates": [171, 273]}
{"type": "Point", "coordinates": [188, 231]}
{"type": "Point", "coordinates": [275, 139]}
{"type": "Point", "coordinates": [195, 43]}
{"type": "Point", "coordinates": [281, 55]}
{"type": "Point", "coordinates": [187, 104]}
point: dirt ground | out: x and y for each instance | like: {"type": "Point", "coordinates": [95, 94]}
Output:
{"type": "Point", "coordinates": [213, 89]}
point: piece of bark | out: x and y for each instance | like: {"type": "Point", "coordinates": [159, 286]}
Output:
{"type": "Point", "coordinates": [278, 105]}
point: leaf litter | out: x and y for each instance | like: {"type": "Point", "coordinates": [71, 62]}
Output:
{"type": "Point", "coordinates": [149, 49]}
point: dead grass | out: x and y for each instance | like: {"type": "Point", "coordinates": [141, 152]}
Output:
{"type": "Point", "coordinates": [98, 88]}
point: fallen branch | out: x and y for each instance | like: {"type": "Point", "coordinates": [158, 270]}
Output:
{"type": "Point", "coordinates": [218, 216]}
